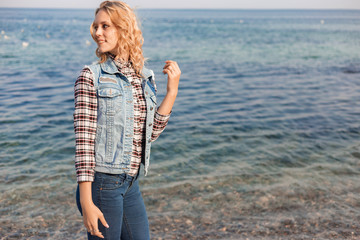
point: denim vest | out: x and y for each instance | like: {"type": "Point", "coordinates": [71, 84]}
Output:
{"type": "Point", "coordinates": [115, 117]}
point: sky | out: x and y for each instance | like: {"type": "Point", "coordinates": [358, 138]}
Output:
{"type": "Point", "coordinates": [186, 4]}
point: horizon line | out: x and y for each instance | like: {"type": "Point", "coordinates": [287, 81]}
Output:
{"type": "Point", "coordinates": [140, 8]}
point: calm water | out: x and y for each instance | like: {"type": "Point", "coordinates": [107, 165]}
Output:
{"type": "Point", "coordinates": [263, 142]}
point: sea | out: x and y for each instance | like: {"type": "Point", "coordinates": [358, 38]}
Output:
{"type": "Point", "coordinates": [262, 143]}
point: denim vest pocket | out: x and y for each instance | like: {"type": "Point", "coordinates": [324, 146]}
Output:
{"type": "Point", "coordinates": [110, 99]}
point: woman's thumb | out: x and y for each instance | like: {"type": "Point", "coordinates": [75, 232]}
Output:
{"type": "Point", "coordinates": [102, 220]}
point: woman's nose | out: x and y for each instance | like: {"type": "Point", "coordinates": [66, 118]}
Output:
{"type": "Point", "coordinates": [98, 32]}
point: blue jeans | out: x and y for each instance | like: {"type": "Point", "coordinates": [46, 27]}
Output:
{"type": "Point", "coordinates": [119, 199]}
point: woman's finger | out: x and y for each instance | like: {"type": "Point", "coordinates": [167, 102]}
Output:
{"type": "Point", "coordinates": [172, 68]}
{"type": "Point", "coordinates": [103, 221]}
{"type": "Point", "coordinates": [88, 228]}
{"type": "Point", "coordinates": [171, 62]}
{"type": "Point", "coordinates": [166, 65]}
{"type": "Point", "coordinates": [173, 65]}
{"type": "Point", "coordinates": [97, 233]}
{"type": "Point", "coordinates": [166, 71]}
{"type": "Point", "coordinates": [94, 227]}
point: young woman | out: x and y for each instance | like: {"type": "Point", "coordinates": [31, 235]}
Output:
{"type": "Point", "coordinates": [116, 118]}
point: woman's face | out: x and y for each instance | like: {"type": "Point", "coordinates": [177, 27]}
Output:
{"type": "Point", "coordinates": [105, 33]}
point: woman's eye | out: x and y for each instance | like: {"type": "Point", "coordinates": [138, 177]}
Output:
{"type": "Point", "coordinates": [95, 28]}
{"type": "Point", "coordinates": [105, 26]}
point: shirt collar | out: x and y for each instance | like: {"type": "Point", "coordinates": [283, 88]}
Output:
{"type": "Point", "coordinates": [119, 62]}
{"type": "Point", "coordinates": [111, 66]}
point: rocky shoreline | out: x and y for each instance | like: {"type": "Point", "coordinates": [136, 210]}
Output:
{"type": "Point", "coordinates": [209, 209]}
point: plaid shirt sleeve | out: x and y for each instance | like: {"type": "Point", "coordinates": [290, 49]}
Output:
{"type": "Point", "coordinates": [160, 121]}
{"type": "Point", "coordinates": [85, 117]}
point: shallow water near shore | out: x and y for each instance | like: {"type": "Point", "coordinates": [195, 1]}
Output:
{"type": "Point", "coordinates": [263, 141]}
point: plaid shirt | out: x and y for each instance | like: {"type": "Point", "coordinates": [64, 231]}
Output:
{"type": "Point", "coordinates": [85, 117]}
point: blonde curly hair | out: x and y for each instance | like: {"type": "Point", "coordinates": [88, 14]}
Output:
{"type": "Point", "coordinates": [130, 39]}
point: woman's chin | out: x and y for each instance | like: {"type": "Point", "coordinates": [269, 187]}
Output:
{"type": "Point", "coordinates": [103, 50]}
{"type": "Point", "coordinates": [106, 50]}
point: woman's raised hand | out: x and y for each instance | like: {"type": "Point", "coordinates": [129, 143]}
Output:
{"type": "Point", "coordinates": [172, 69]}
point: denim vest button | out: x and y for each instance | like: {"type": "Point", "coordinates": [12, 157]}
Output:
{"type": "Point", "coordinates": [150, 124]}
{"type": "Point", "coordinates": [151, 108]}
{"type": "Point", "coordinates": [149, 141]}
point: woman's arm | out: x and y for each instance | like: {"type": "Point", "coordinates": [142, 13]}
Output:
{"type": "Point", "coordinates": [172, 69]}
{"type": "Point", "coordinates": [85, 116]}
{"type": "Point", "coordinates": [91, 213]}
{"type": "Point", "coordinates": [162, 114]}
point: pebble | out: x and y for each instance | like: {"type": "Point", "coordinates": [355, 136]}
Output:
{"type": "Point", "coordinates": [189, 222]}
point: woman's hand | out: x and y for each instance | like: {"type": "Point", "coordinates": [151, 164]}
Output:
{"type": "Point", "coordinates": [91, 215]}
{"type": "Point", "coordinates": [172, 69]}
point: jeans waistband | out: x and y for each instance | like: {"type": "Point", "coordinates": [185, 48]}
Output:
{"type": "Point", "coordinates": [123, 176]}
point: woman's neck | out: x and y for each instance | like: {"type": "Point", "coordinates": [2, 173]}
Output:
{"type": "Point", "coordinates": [120, 57]}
